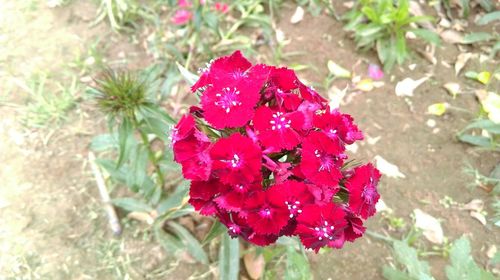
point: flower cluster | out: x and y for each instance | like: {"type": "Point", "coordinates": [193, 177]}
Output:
{"type": "Point", "coordinates": [266, 155]}
{"type": "Point", "coordinates": [184, 14]}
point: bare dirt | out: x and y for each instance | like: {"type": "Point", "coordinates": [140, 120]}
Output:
{"type": "Point", "coordinates": [51, 222]}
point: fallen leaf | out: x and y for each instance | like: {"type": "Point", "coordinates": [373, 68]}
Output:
{"type": "Point", "coordinates": [430, 226]}
{"type": "Point", "coordinates": [478, 216]}
{"type": "Point", "coordinates": [452, 36]}
{"type": "Point", "coordinates": [461, 61]}
{"type": "Point", "coordinates": [336, 96]}
{"type": "Point", "coordinates": [452, 88]}
{"type": "Point", "coordinates": [474, 205]}
{"type": "Point", "coordinates": [490, 253]}
{"type": "Point", "coordinates": [382, 207]}
{"type": "Point", "coordinates": [372, 140]}
{"type": "Point", "coordinates": [408, 85]}
{"type": "Point", "coordinates": [484, 77]}
{"type": "Point", "coordinates": [438, 109]}
{"type": "Point", "coordinates": [337, 70]}
{"type": "Point", "coordinates": [297, 16]}
{"type": "Point", "coordinates": [254, 264]}
{"type": "Point", "coordinates": [142, 217]}
{"type": "Point", "coordinates": [388, 168]}
{"type": "Point", "coordinates": [365, 85]}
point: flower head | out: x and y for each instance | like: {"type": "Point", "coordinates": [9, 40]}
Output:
{"type": "Point", "coordinates": [266, 157]}
{"type": "Point", "coordinates": [362, 187]}
{"type": "Point", "coordinates": [320, 226]}
{"type": "Point", "coordinates": [182, 17]}
{"type": "Point", "coordinates": [236, 160]}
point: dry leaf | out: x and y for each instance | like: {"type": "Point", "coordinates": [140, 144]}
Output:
{"type": "Point", "coordinates": [336, 96]}
{"type": "Point", "coordinates": [462, 60]}
{"type": "Point", "coordinates": [254, 264]}
{"type": "Point", "coordinates": [297, 16]}
{"type": "Point", "coordinates": [388, 168]}
{"type": "Point", "coordinates": [478, 216]}
{"type": "Point", "coordinates": [474, 205]}
{"type": "Point", "coordinates": [365, 85]}
{"type": "Point", "coordinates": [142, 217]}
{"type": "Point", "coordinates": [337, 70]}
{"type": "Point", "coordinates": [430, 226]}
{"type": "Point", "coordinates": [452, 88]}
{"type": "Point", "coordinates": [491, 251]}
{"type": "Point", "coordinates": [452, 36]}
{"type": "Point", "coordinates": [382, 207]}
{"type": "Point", "coordinates": [438, 109]}
{"type": "Point", "coordinates": [408, 85]}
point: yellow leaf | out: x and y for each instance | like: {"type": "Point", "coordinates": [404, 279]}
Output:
{"type": "Point", "coordinates": [337, 70]}
{"type": "Point", "coordinates": [365, 85]}
{"type": "Point", "coordinates": [437, 109]}
{"type": "Point", "coordinates": [484, 77]}
{"type": "Point", "coordinates": [491, 104]}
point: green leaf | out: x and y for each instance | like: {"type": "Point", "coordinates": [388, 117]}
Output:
{"type": "Point", "coordinates": [192, 245]}
{"type": "Point", "coordinates": [229, 258]}
{"type": "Point", "coordinates": [131, 204]}
{"type": "Point", "coordinates": [427, 35]}
{"type": "Point", "coordinates": [465, 7]}
{"type": "Point", "coordinates": [103, 142]}
{"type": "Point", "coordinates": [175, 199]}
{"type": "Point", "coordinates": [169, 242]}
{"type": "Point", "coordinates": [187, 75]}
{"type": "Point", "coordinates": [125, 134]}
{"type": "Point", "coordinates": [463, 266]}
{"type": "Point", "coordinates": [117, 174]}
{"type": "Point", "coordinates": [480, 141]}
{"type": "Point", "coordinates": [485, 124]}
{"type": "Point", "coordinates": [487, 5]}
{"type": "Point", "coordinates": [489, 17]}
{"type": "Point", "coordinates": [217, 229]}
{"type": "Point", "coordinates": [297, 265]}
{"type": "Point", "coordinates": [139, 166]}
{"type": "Point", "coordinates": [476, 37]}
{"type": "Point", "coordinates": [408, 258]}
{"type": "Point", "coordinates": [496, 259]}
{"type": "Point", "coordinates": [393, 274]}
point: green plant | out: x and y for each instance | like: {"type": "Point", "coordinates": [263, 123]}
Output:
{"type": "Point", "coordinates": [46, 106]}
{"type": "Point", "coordinates": [138, 157]}
{"type": "Point", "coordinates": [383, 25]}
{"type": "Point", "coordinates": [462, 265]}
{"type": "Point", "coordinates": [122, 14]}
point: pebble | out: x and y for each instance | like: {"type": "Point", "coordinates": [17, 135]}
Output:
{"type": "Point", "coordinates": [431, 123]}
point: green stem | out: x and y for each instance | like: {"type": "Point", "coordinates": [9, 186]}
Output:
{"type": "Point", "coordinates": [380, 236]}
{"type": "Point", "coordinates": [151, 154]}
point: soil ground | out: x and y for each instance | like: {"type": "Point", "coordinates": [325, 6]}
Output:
{"type": "Point", "coordinates": [52, 225]}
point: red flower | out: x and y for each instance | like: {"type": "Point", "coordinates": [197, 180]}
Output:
{"type": "Point", "coordinates": [233, 198]}
{"type": "Point", "coordinates": [276, 129]}
{"type": "Point", "coordinates": [183, 129]}
{"type": "Point", "coordinates": [221, 7]}
{"type": "Point", "coordinates": [362, 187]}
{"type": "Point", "coordinates": [236, 160]}
{"type": "Point", "coordinates": [355, 228]}
{"type": "Point", "coordinates": [322, 159]}
{"type": "Point", "coordinates": [231, 105]}
{"type": "Point", "coordinates": [266, 213]}
{"type": "Point", "coordinates": [223, 71]}
{"type": "Point", "coordinates": [320, 226]}
{"type": "Point", "coordinates": [182, 17]}
{"type": "Point", "coordinates": [294, 194]}
{"type": "Point", "coordinates": [201, 196]}
{"type": "Point", "coordinates": [338, 125]}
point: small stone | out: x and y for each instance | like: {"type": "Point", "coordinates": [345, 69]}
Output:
{"type": "Point", "coordinates": [431, 123]}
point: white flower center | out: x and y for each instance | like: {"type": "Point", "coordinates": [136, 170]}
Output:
{"type": "Point", "coordinates": [279, 122]}
{"type": "Point", "coordinates": [228, 98]}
